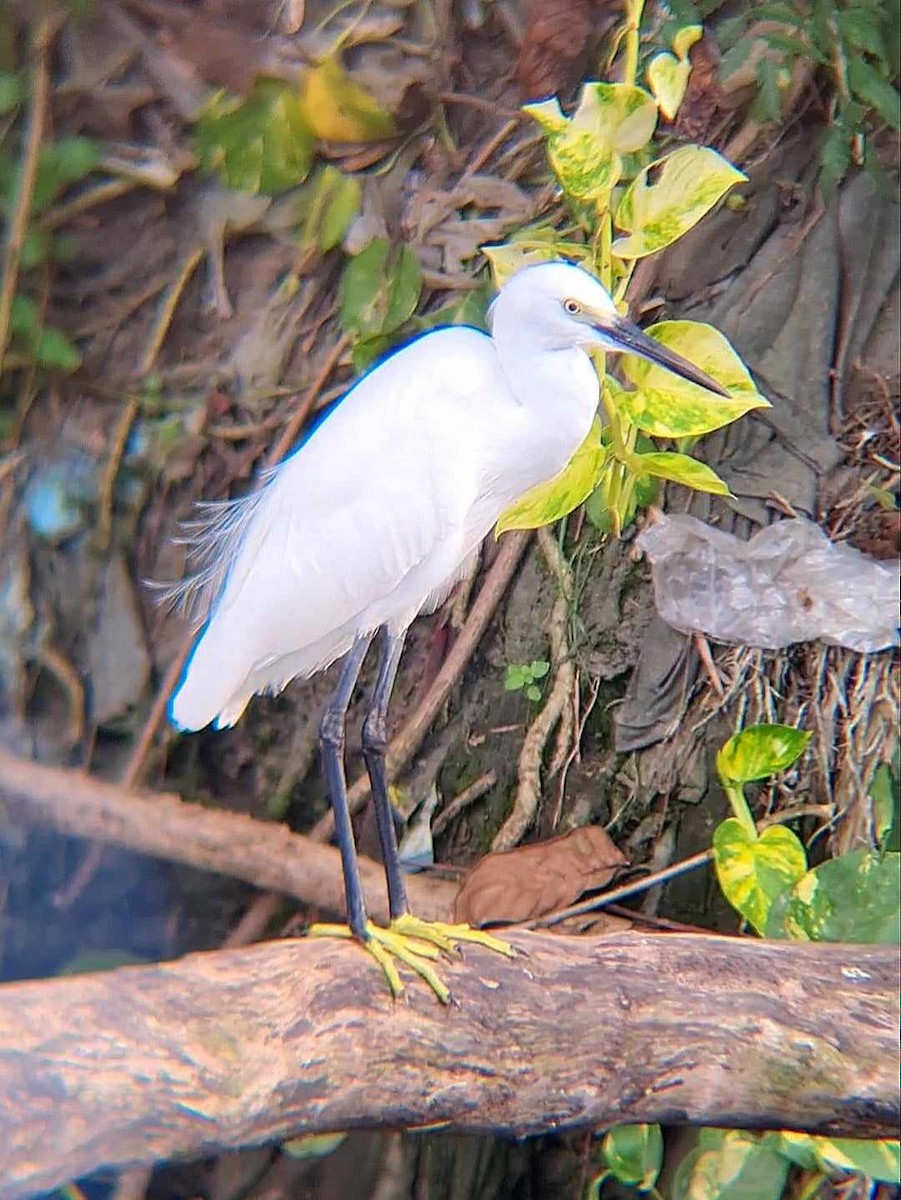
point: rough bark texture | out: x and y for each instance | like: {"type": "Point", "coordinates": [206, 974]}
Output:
{"type": "Point", "coordinates": [238, 1047]}
{"type": "Point", "coordinates": [260, 852]}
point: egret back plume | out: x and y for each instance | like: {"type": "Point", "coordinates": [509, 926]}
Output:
{"type": "Point", "coordinates": [213, 537]}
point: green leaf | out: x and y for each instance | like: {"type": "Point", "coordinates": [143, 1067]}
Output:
{"type": "Point", "coordinates": [514, 677]}
{"type": "Point", "coordinates": [261, 145]}
{"type": "Point", "coordinates": [326, 206]}
{"type": "Point", "coordinates": [862, 28]}
{"type": "Point", "coordinates": [668, 78]}
{"type": "Point", "coordinates": [737, 1166]}
{"type": "Point", "coordinates": [875, 1158]}
{"type": "Point", "coordinates": [666, 405]}
{"type": "Point", "coordinates": [313, 1145]}
{"type": "Point", "coordinates": [533, 693]}
{"type": "Point", "coordinates": [835, 156]}
{"type": "Point", "coordinates": [680, 468]}
{"type": "Point", "coordinates": [753, 871]}
{"type": "Point", "coordinates": [634, 1154]}
{"type": "Point", "coordinates": [612, 119]}
{"type": "Point", "coordinates": [12, 91]}
{"type": "Point", "coordinates": [687, 184]}
{"type": "Point", "coordinates": [854, 898]}
{"type": "Point", "coordinates": [54, 350]}
{"type": "Point", "coordinates": [548, 502]}
{"type": "Point", "coordinates": [874, 89]}
{"type": "Point", "coordinates": [339, 110]}
{"type": "Point", "coordinates": [379, 289]}
{"type": "Point", "coordinates": [539, 668]}
{"type": "Point", "coordinates": [760, 751]}
{"type": "Point", "coordinates": [59, 164]}
{"type": "Point", "coordinates": [886, 797]}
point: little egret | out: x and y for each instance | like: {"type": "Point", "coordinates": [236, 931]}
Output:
{"type": "Point", "coordinates": [375, 518]}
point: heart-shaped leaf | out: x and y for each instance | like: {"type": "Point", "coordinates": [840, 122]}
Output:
{"type": "Point", "coordinates": [552, 500]}
{"type": "Point", "coordinates": [665, 405]}
{"type": "Point", "coordinates": [854, 898]}
{"type": "Point", "coordinates": [612, 119]}
{"type": "Point", "coordinates": [754, 870]}
{"type": "Point", "coordinates": [760, 751]}
{"type": "Point", "coordinates": [668, 79]}
{"type": "Point", "coordinates": [687, 184]}
{"type": "Point", "coordinates": [634, 1154]}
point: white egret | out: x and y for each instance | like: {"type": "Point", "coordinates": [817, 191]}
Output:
{"type": "Point", "coordinates": [374, 519]}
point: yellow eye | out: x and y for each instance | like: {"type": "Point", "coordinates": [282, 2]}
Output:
{"type": "Point", "coordinates": [572, 307]}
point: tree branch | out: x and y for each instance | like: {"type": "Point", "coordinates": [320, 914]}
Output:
{"type": "Point", "coordinates": [233, 1048]}
{"type": "Point", "coordinates": [263, 853]}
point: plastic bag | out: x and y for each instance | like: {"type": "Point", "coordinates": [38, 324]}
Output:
{"type": "Point", "coordinates": [787, 584]}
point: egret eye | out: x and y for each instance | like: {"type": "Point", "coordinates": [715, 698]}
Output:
{"type": "Point", "coordinates": [573, 307]}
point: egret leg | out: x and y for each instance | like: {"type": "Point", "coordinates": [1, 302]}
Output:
{"type": "Point", "coordinates": [375, 743]}
{"type": "Point", "coordinates": [331, 745]}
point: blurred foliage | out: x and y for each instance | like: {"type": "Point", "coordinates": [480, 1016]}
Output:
{"type": "Point", "coordinates": [61, 163]}
{"type": "Point", "coordinates": [856, 44]}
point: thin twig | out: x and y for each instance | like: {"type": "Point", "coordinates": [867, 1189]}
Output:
{"type": "Point", "coordinates": [468, 796]}
{"type": "Point", "coordinates": [42, 39]}
{"type": "Point", "coordinates": [107, 482]}
{"type": "Point", "coordinates": [303, 410]}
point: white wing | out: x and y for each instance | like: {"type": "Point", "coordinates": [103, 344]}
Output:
{"type": "Point", "coordinates": [358, 528]}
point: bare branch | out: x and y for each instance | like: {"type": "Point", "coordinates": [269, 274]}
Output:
{"type": "Point", "coordinates": [239, 1047]}
{"type": "Point", "coordinates": [263, 853]}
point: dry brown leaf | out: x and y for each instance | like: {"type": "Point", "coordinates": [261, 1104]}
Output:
{"type": "Point", "coordinates": [534, 880]}
{"type": "Point", "coordinates": [556, 45]}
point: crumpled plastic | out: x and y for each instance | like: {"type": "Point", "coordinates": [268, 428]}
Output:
{"type": "Point", "coordinates": [788, 583]}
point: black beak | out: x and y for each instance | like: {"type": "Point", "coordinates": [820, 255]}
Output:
{"type": "Point", "coordinates": [630, 339]}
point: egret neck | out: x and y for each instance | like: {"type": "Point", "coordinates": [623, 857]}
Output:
{"type": "Point", "coordinates": [557, 390]}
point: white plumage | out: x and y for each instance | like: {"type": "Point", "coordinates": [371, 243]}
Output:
{"type": "Point", "coordinates": [371, 521]}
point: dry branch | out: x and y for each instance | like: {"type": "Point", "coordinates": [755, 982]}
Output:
{"type": "Point", "coordinates": [234, 1048]}
{"type": "Point", "coordinates": [260, 852]}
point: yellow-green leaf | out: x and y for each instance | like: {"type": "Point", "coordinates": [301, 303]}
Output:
{"type": "Point", "coordinates": [611, 119]}
{"type": "Point", "coordinates": [754, 870]}
{"type": "Point", "coordinates": [759, 751]}
{"type": "Point", "coordinates": [665, 405]}
{"type": "Point", "coordinates": [685, 38]}
{"type": "Point", "coordinates": [313, 1145]}
{"type": "Point", "coordinates": [686, 185]}
{"type": "Point", "coordinates": [879, 1159]}
{"type": "Point", "coordinates": [668, 79]}
{"type": "Point", "coordinates": [552, 500]}
{"type": "Point", "coordinates": [680, 468]}
{"type": "Point", "coordinates": [340, 110]}
{"type": "Point", "coordinates": [509, 257]}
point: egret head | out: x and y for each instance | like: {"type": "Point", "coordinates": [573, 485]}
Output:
{"type": "Point", "coordinates": [557, 305]}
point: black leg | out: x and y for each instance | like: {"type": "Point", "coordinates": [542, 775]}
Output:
{"type": "Point", "coordinates": [331, 745]}
{"type": "Point", "coordinates": [375, 741]}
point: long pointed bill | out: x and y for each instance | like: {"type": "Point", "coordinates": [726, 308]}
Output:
{"type": "Point", "coordinates": [629, 338]}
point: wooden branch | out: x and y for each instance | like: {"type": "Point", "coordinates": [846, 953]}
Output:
{"type": "Point", "coordinates": [263, 853]}
{"type": "Point", "coordinates": [233, 1048]}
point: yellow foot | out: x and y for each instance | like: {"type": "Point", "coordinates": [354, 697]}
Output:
{"type": "Point", "coordinates": [416, 943]}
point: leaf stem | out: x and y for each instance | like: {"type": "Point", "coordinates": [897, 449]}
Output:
{"type": "Point", "coordinates": [634, 10]}
{"type": "Point", "coordinates": [735, 794]}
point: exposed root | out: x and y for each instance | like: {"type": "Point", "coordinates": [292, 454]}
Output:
{"type": "Point", "coordinates": [557, 705]}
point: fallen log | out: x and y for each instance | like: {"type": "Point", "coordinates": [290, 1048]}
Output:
{"type": "Point", "coordinates": [234, 1048]}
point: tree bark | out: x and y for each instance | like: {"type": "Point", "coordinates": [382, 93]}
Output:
{"type": "Point", "coordinates": [234, 1048]}
{"type": "Point", "coordinates": [263, 853]}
